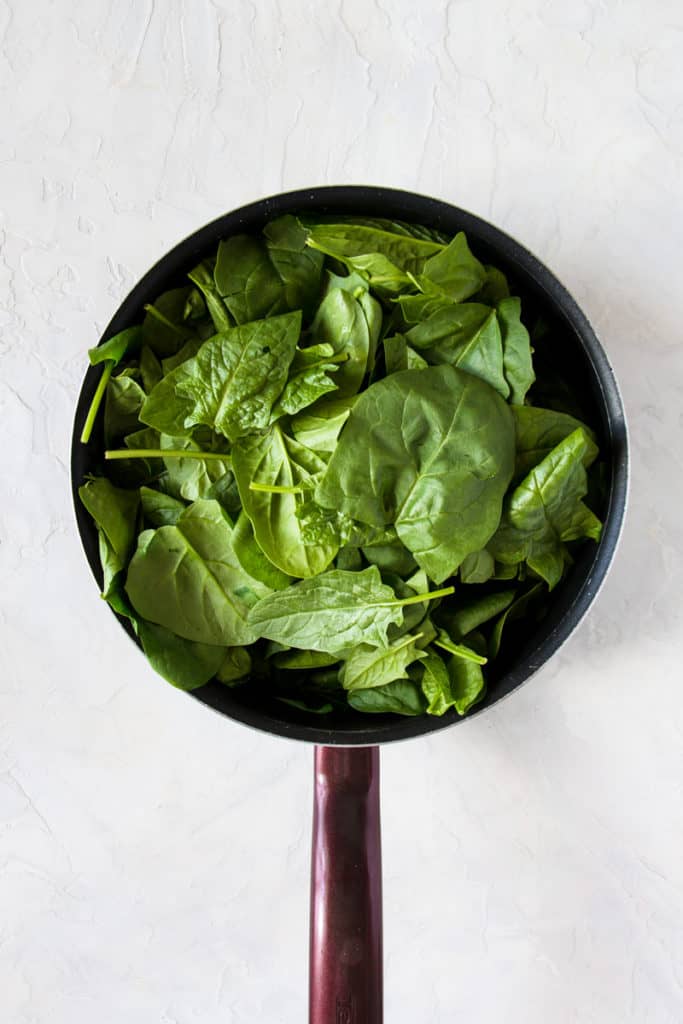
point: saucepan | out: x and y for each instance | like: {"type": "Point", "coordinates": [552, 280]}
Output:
{"type": "Point", "coordinates": [346, 902]}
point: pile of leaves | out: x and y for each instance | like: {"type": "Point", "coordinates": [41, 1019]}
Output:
{"type": "Point", "coordinates": [324, 476]}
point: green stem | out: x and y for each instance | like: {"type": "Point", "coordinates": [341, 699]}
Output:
{"type": "Point", "coordinates": [149, 308]}
{"type": "Point", "coordinates": [96, 401]}
{"type": "Point", "coordinates": [419, 598]}
{"type": "Point", "coordinates": [274, 488]}
{"type": "Point", "coordinates": [460, 652]}
{"type": "Point", "coordinates": [163, 453]}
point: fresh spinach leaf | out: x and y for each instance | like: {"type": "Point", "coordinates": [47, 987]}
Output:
{"type": "Point", "coordinates": [203, 277]}
{"type": "Point", "coordinates": [188, 578]}
{"type": "Point", "coordinates": [232, 382]}
{"type": "Point", "coordinates": [160, 509]}
{"type": "Point", "coordinates": [546, 510]}
{"type": "Point", "coordinates": [246, 279]}
{"type": "Point", "coordinates": [298, 266]}
{"type": "Point", "coordinates": [235, 666]}
{"type": "Point", "coordinates": [348, 242]}
{"type": "Point", "coordinates": [402, 697]}
{"type": "Point", "coordinates": [519, 370]}
{"type": "Point", "coordinates": [271, 472]}
{"type": "Point", "coordinates": [319, 428]}
{"type": "Point", "coordinates": [308, 379]}
{"type": "Point", "coordinates": [430, 451]}
{"type": "Point", "coordinates": [183, 663]}
{"type": "Point", "coordinates": [252, 558]}
{"type": "Point", "coordinates": [333, 612]}
{"type": "Point", "coordinates": [477, 567]}
{"type": "Point", "coordinates": [538, 431]}
{"type": "Point", "coordinates": [376, 666]}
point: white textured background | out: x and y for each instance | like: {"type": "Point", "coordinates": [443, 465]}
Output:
{"type": "Point", "coordinates": [154, 858]}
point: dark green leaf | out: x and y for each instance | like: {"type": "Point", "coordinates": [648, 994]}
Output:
{"type": "Point", "coordinates": [164, 329]}
{"type": "Point", "coordinates": [513, 611]}
{"type": "Point", "coordinates": [247, 280]}
{"type": "Point", "coordinates": [538, 431]}
{"type": "Point", "coordinates": [122, 407]}
{"type": "Point", "coordinates": [252, 558]}
{"type": "Point", "coordinates": [188, 578]}
{"type": "Point", "coordinates": [308, 380]}
{"type": "Point", "coordinates": [181, 662]}
{"type": "Point", "coordinates": [273, 460]}
{"type": "Point", "coordinates": [430, 451]}
{"type": "Point", "coordinates": [319, 428]}
{"type": "Point", "coordinates": [299, 267]}
{"type": "Point", "coordinates": [235, 666]}
{"type": "Point", "coordinates": [160, 509]}
{"type": "Point", "coordinates": [203, 277]}
{"type": "Point", "coordinates": [232, 382]}
{"type": "Point", "coordinates": [335, 611]}
{"type": "Point", "coordinates": [376, 666]}
{"type": "Point", "coordinates": [304, 659]}
{"type": "Point", "coordinates": [150, 369]}
{"type": "Point", "coordinates": [477, 567]}
{"type": "Point", "coordinates": [546, 510]}
{"type": "Point", "coordinates": [402, 697]}
{"type": "Point", "coordinates": [519, 370]}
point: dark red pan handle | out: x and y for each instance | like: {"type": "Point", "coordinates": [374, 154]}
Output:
{"type": "Point", "coordinates": [346, 888]}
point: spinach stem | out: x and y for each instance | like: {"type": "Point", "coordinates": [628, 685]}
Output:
{"type": "Point", "coordinates": [461, 652]}
{"type": "Point", "coordinates": [149, 308]}
{"type": "Point", "coordinates": [163, 453]}
{"type": "Point", "coordinates": [96, 401]}
{"type": "Point", "coordinates": [419, 598]}
{"type": "Point", "coordinates": [274, 488]}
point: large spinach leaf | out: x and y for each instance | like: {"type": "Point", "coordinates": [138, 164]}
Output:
{"type": "Point", "coordinates": [232, 382]}
{"type": "Point", "coordinates": [188, 578]}
{"type": "Point", "coordinates": [430, 451]}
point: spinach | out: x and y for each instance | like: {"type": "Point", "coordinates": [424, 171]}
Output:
{"type": "Point", "coordinates": [308, 379]}
{"type": "Point", "coordinates": [319, 428]}
{"type": "Point", "coordinates": [538, 431]}
{"type": "Point", "coordinates": [203, 277]}
{"type": "Point", "coordinates": [519, 370]}
{"type": "Point", "coordinates": [458, 684]}
{"type": "Point", "coordinates": [188, 578]}
{"type": "Point", "coordinates": [122, 405]}
{"type": "Point", "coordinates": [160, 509]}
{"type": "Point", "coordinates": [545, 510]}
{"type": "Point", "coordinates": [110, 353]}
{"type": "Point", "coordinates": [376, 666]}
{"type": "Point", "coordinates": [399, 698]}
{"type": "Point", "coordinates": [332, 612]}
{"type": "Point", "coordinates": [299, 267]}
{"type": "Point", "coordinates": [430, 451]}
{"type": "Point", "coordinates": [115, 513]}
{"type": "Point", "coordinates": [272, 470]}
{"type": "Point", "coordinates": [232, 382]}
{"type": "Point", "coordinates": [341, 323]}
{"type": "Point", "coordinates": [181, 662]}
{"type": "Point", "coordinates": [165, 328]}
{"type": "Point", "coordinates": [246, 279]}
{"type": "Point", "coordinates": [325, 420]}
{"type": "Point", "coordinates": [454, 272]}
{"type": "Point", "coordinates": [351, 242]}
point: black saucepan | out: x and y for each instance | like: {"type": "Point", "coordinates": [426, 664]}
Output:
{"type": "Point", "coordinates": [346, 981]}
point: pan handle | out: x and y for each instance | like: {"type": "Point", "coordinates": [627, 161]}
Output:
{"type": "Point", "coordinates": [346, 889]}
